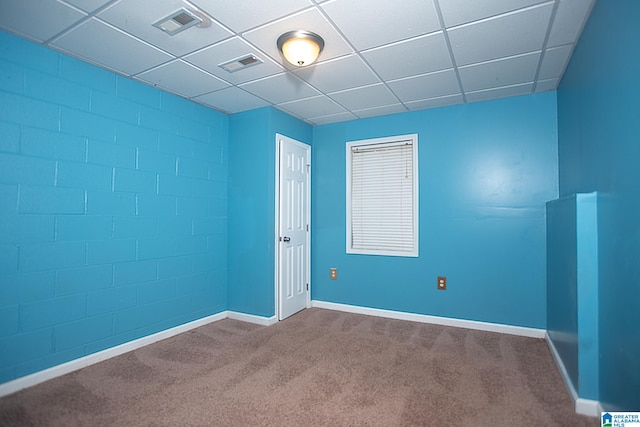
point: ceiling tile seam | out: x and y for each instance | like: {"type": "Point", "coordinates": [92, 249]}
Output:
{"type": "Point", "coordinates": [283, 104]}
{"type": "Point", "coordinates": [90, 61]}
{"type": "Point", "coordinates": [336, 92]}
{"type": "Point", "coordinates": [356, 52]}
{"type": "Point", "coordinates": [430, 73]}
{"type": "Point", "coordinates": [200, 10]}
{"type": "Point", "coordinates": [490, 89]}
{"type": "Point", "coordinates": [245, 91]}
{"type": "Point", "coordinates": [270, 76]}
{"type": "Point", "coordinates": [318, 95]}
{"type": "Point", "coordinates": [76, 24]}
{"type": "Point", "coordinates": [401, 41]}
{"type": "Point", "coordinates": [241, 86]}
{"type": "Point", "coordinates": [573, 45]}
{"type": "Point", "coordinates": [275, 20]}
{"type": "Point", "coordinates": [289, 15]}
{"type": "Point", "coordinates": [332, 115]}
{"type": "Point", "coordinates": [552, 19]}
{"type": "Point", "coordinates": [162, 88]}
{"type": "Point", "coordinates": [504, 58]}
{"type": "Point", "coordinates": [502, 15]}
{"type": "Point", "coordinates": [356, 112]}
{"type": "Point", "coordinates": [454, 64]}
{"type": "Point", "coordinates": [213, 19]}
{"type": "Point", "coordinates": [133, 36]}
{"type": "Point", "coordinates": [284, 110]}
{"type": "Point", "coordinates": [189, 64]}
{"type": "Point", "coordinates": [321, 92]}
{"type": "Point", "coordinates": [337, 102]}
{"type": "Point", "coordinates": [259, 53]}
{"type": "Point", "coordinates": [217, 21]}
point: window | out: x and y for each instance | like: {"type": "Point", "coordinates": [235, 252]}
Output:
{"type": "Point", "coordinates": [382, 196]}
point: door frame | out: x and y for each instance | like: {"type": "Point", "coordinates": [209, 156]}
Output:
{"type": "Point", "coordinates": [277, 224]}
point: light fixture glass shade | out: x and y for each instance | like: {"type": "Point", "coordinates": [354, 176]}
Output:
{"type": "Point", "coordinates": [300, 48]}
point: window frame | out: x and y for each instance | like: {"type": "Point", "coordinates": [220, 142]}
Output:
{"type": "Point", "coordinates": [414, 252]}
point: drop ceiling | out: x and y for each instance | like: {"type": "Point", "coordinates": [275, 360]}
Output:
{"type": "Point", "coordinates": [380, 56]}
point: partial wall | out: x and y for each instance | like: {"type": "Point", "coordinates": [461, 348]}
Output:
{"type": "Point", "coordinates": [572, 289]}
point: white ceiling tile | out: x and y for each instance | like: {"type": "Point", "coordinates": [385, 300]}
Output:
{"type": "Point", "coordinates": [332, 118]}
{"type": "Point", "coordinates": [138, 17]}
{"type": "Point", "coordinates": [554, 62]}
{"type": "Point", "coordinates": [365, 97]}
{"type": "Point", "coordinates": [502, 72]}
{"type": "Point", "coordinates": [380, 57]}
{"type": "Point", "coordinates": [419, 55]}
{"type": "Point", "coordinates": [183, 79]}
{"type": "Point", "coordinates": [310, 20]}
{"type": "Point", "coordinates": [231, 100]}
{"type": "Point", "coordinates": [380, 111]}
{"type": "Point", "coordinates": [211, 57]}
{"type": "Point", "coordinates": [243, 15]}
{"type": "Point", "coordinates": [570, 18]}
{"type": "Point", "coordinates": [368, 23]}
{"type": "Point", "coordinates": [38, 19]}
{"type": "Point", "coordinates": [123, 52]}
{"type": "Point", "coordinates": [339, 74]}
{"type": "Point", "coordinates": [313, 107]}
{"type": "Point", "coordinates": [502, 92]}
{"type": "Point", "coordinates": [506, 35]}
{"type": "Point", "coordinates": [284, 87]}
{"type": "Point", "coordinates": [441, 101]}
{"type": "Point", "coordinates": [546, 85]}
{"type": "Point", "coordinates": [456, 12]}
{"type": "Point", "coordinates": [88, 5]}
{"type": "Point", "coordinates": [427, 86]}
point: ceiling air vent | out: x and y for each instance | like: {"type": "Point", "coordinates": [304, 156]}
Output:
{"type": "Point", "coordinates": [240, 63]}
{"type": "Point", "coordinates": [178, 21]}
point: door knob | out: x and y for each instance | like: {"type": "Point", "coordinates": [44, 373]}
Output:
{"type": "Point", "coordinates": [286, 239]}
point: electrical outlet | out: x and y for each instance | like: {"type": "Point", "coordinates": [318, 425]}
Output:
{"type": "Point", "coordinates": [333, 273]}
{"type": "Point", "coordinates": [442, 283]}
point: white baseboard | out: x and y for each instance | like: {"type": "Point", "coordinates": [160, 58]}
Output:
{"type": "Point", "coordinates": [589, 407]}
{"type": "Point", "coordinates": [437, 320]}
{"type": "Point", "coordinates": [582, 406]}
{"type": "Point", "coordinates": [73, 365]}
{"type": "Point", "coordinates": [251, 318]}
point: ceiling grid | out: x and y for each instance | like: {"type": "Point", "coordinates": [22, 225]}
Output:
{"type": "Point", "coordinates": [380, 57]}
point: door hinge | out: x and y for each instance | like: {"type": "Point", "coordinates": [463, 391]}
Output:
{"type": "Point", "coordinates": [307, 287]}
{"type": "Point", "coordinates": [307, 228]}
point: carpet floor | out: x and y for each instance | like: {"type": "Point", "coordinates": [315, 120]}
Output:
{"type": "Point", "coordinates": [317, 368]}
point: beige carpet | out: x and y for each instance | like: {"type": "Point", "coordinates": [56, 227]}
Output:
{"type": "Point", "coordinates": [316, 368]}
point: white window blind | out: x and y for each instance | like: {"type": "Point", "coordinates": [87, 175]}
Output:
{"type": "Point", "coordinates": [382, 196]}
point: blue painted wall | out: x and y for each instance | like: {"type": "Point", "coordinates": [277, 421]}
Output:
{"type": "Point", "coordinates": [588, 289]}
{"type": "Point", "coordinates": [562, 282]}
{"type": "Point", "coordinates": [113, 209]}
{"type": "Point", "coordinates": [572, 288]}
{"type": "Point", "coordinates": [486, 172]}
{"type": "Point", "coordinates": [252, 163]}
{"type": "Point", "coordinates": [599, 151]}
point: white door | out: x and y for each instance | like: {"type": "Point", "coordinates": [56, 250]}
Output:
{"type": "Point", "coordinates": [292, 226]}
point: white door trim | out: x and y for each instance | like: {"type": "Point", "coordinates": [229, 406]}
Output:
{"type": "Point", "coordinates": [277, 224]}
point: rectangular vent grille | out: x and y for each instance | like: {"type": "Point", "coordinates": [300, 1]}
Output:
{"type": "Point", "coordinates": [240, 63]}
{"type": "Point", "coordinates": [183, 18]}
{"type": "Point", "coordinates": [178, 21]}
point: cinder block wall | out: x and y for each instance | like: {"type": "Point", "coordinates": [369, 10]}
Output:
{"type": "Point", "coordinates": [113, 209]}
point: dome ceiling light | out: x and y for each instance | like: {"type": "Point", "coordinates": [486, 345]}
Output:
{"type": "Point", "coordinates": [300, 48]}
